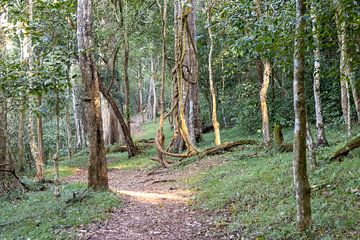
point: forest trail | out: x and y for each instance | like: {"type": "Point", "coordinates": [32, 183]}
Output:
{"type": "Point", "coordinates": [156, 205]}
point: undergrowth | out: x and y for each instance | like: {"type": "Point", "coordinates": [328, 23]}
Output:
{"type": "Point", "coordinates": [255, 189]}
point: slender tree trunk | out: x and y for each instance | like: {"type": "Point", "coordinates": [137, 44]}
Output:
{"type": "Point", "coordinates": [301, 182]}
{"type": "Point", "coordinates": [40, 134]}
{"type": "Point", "coordinates": [321, 138]}
{"type": "Point", "coordinates": [311, 146]}
{"type": "Point", "coordinates": [3, 163]}
{"type": "Point", "coordinates": [215, 122]}
{"type": "Point", "coordinates": [131, 147]}
{"type": "Point", "coordinates": [154, 110]}
{"type": "Point", "coordinates": [57, 154]}
{"type": "Point", "coordinates": [264, 89]}
{"type": "Point", "coordinates": [34, 145]}
{"type": "Point", "coordinates": [97, 174]}
{"type": "Point", "coordinates": [223, 93]}
{"type": "Point", "coordinates": [160, 134]}
{"type": "Point", "coordinates": [345, 67]}
{"type": "Point", "coordinates": [356, 96]}
{"type": "Point", "coordinates": [21, 138]}
{"type": "Point", "coordinates": [126, 63]}
{"type": "Point", "coordinates": [68, 131]}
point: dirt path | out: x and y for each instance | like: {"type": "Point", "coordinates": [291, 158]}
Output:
{"type": "Point", "coordinates": [155, 207]}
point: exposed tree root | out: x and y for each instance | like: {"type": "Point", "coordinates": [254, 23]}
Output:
{"type": "Point", "coordinates": [209, 151]}
{"type": "Point", "coordinates": [344, 150]}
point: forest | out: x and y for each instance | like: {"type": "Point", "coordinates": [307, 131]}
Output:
{"type": "Point", "coordinates": [179, 119]}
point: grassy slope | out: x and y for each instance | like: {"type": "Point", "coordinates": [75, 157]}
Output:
{"type": "Point", "coordinates": [257, 192]}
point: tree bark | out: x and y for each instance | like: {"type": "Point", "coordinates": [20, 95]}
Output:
{"type": "Point", "coordinates": [40, 134]}
{"type": "Point", "coordinates": [160, 135]}
{"type": "Point", "coordinates": [2, 135]}
{"type": "Point", "coordinates": [301, 182]}
{"type": "Point", "coordinates": [57, 154]}
{"type": "Point", "coordinates": [320, 127]}
{"type": "Point", "coordinates": [215, 122]}
{"type": "Point", "coordinates": [345, 67]}
{"type": "Point", "coordinates": [21, 138]}
{"type": "Point", "coordinates": [34, 145]}
{"type": "Point", "coordinates": [97, 174]}
{"type": "Point", "coordinates": [264, 89]}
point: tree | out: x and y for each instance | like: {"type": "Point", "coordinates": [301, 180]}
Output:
{"type": "Point", "coordinates": [264, 89]}
{"type": "Point", "coordinates": [301, 182]}
{"type": "Point", "coordinates": [97, 176]}
{"type": "Point", "coordinates": [215, 122]}
{"type": "Point", "coordinates": [321, 138]}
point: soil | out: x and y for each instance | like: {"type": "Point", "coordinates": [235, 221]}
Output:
{"type": "Point", "coordinates": [156, 206]}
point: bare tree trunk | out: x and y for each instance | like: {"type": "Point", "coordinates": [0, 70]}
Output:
{"type": "Point", "coordinates": [311, 147]}
{"type": "Point", "coordinates": [40, 134]}
{"type": "Point", "coordinates": [301, 182]}
{"type": "Point", "coordinates": [97, 174]}
{"type": "Point", "coordinates": [21, 138]}
{"type": "Point", "coordinates": [215, 122]}
{"type": "Point", "coordinates": [264, 89]}
{"type": "Point", "coordinates": [34, 145]}
{"type": "Point", "coordinates": [321, 138]}
{"type": "Point", "coordinates": [345, 67]}
{"type": "Point", "coordinates": [223, 93]}
{"type": "Point", "coordinates": [154, 78]}
{"type": "Point", "coordinates": [3, 163]}
{"type": "Point", "coordinates": [68, 131]}
{"type": "Point", "coordinates": [160, 135]}
{"type": "Point", "coordinates": [57, 154]}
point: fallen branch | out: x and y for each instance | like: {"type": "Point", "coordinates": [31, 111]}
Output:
{"type": "Point", "coordinates": [345, 150]}
{"type": "Point", "coordinates": [26, 187]}
{"type": "Point", "coordinates": [226, 147]}
{"type": "Point", "coordinates": [163, 181]}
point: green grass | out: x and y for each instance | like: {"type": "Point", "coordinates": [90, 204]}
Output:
{"type": "Point", "coordinates": [258, 194]}
{"type": "Point", "coordinates": [38, 215]}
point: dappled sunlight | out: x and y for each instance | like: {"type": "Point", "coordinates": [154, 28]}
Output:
{"type": "Point", "coordinates": [151, 197]}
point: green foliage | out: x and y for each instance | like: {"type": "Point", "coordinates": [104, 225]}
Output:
{"type": "Point", "coordinates": [38, 215]}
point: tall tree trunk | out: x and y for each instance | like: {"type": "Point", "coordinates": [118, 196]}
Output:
{"type": "Point", "coordinates": [264, 89]}
{"type": "Point", "coordinates": [57, 154]}
{"type": "Point", "coordinates": [40, 134]}
{"type": "Point", "coordinates": [68, 131]}
{"type": "Point", "coordinates": [34, 145]}
{"type": "Point", "coordinates": [222, 100]}
{"type": "Point", "coordinates": [195, 125]}
{"type": "Point", "coordinates": [321, 138]}
{"type": "Point", "coordinates": [3, 163]}
{"type": "Point", "coordinates": [215, 122]}
{"type": "Point", "coordinates": [21, 138]}
{"type": "Point", "coordinates": [301, 182]}
{"type": "Point", "coordinates": [160, 134]}
{"type": "Point", "coordinates": [97, 174]}
{"type": "Point", "coordinates": [345, 66]}
{"type": "Point", "coordinates": [126, 43]}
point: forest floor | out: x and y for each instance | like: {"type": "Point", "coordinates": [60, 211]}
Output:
{"type": "Point", "coordinates": [156, 204]}
{"type": "Point", "coordinates": [243, 194]}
